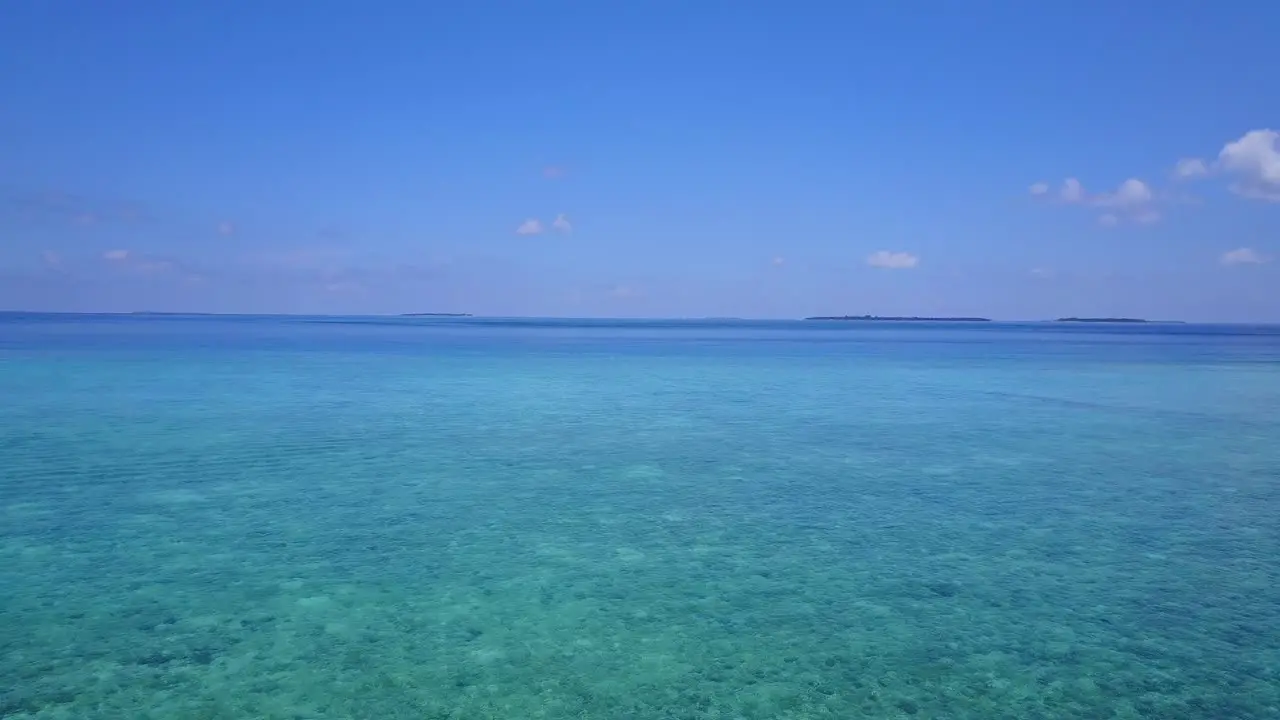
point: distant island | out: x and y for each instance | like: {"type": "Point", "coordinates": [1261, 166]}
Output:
{"type": "Point", "coordinates": [1116, 320]}
{"type": "Point", "coordinates": [435, 314]}
{"type": "Point", "coordinates": [879, 318]}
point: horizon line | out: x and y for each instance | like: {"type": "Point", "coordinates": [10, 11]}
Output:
{"type": "Point", "coordinates": [1066, 319]}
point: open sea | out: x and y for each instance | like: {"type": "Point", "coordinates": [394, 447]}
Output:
{"type": "Point", "coordinates": [298, 518]}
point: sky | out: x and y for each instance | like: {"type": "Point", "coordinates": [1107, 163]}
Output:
{"type": "Point", "coordinates": [642, 158]}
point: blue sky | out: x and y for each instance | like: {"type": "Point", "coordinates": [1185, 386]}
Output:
{"type": "Point", "coordinates": [656, 158]}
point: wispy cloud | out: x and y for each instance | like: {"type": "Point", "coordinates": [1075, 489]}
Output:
{"type": "Point", "coordinates": [1039, 188]}
{"type": "Point", "coordinates": [142, 264]}
{"type": "Point", "coordinates": [1243, 256]}
{"type": "Point", "coordinates": [343, 287]}
{"type": "Point", "coordinates": [156, 265]}
{"type": "Point", "coordinates": [63, 207]}
{"type": "Point", "coordinates": [890, 260]}
{"type": "Point", "coordinates": [532, 226]}
{"type": "Point", "coordinates": [304, 258]}
{"type": "Point", "coordinates": [562, 224]}
{"type": "Point", "coordinates": [310, 264]}
{"type": "Point", "coordinates": [330, 270]}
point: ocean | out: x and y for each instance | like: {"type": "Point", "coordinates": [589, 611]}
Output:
{"type": "Point", "coordinates": [305, 517]}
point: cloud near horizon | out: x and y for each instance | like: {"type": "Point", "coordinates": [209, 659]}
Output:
{"type": "Point", "coordinates": [1243, 256]}
{"type": "Point", "coordinates": [141, 264]}
{"type": "Point", "coordinates": [71, 208]}
{"type": "Point", "coordinates": [890, 260]}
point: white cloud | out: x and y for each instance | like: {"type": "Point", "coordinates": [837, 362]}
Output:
{"type": "Point", "coordinates": [1072, 191]}
{"type": "Point", "coordinates": [562, 224]}
{"type": "Point", "coordinates": [1190, 168]}
{"type": "Point", "coordinates": [116, 255]}
{"type": "Point", "coordinates": [1131, 192]}
{"type": "Point", "coordinates": [1254, 160]}
{"type": "Point", "coordinates": [892, 260]}
{"type": "Point", "coordinates": [1133, 200]}
{"type": "Point", "coordinates": [532, 226]}
{"type": "Point", "coordinates": [1243, 256]}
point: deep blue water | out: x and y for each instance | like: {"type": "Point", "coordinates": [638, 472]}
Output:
{"type": "Point", "coordinates": [267, 517]}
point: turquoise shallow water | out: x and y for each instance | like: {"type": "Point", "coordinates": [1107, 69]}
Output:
{"type": "Point", "coordinates": [362, 518]}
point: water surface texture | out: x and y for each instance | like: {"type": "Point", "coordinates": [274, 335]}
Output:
{"type": "Point", "coordinates": [295, 518]}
